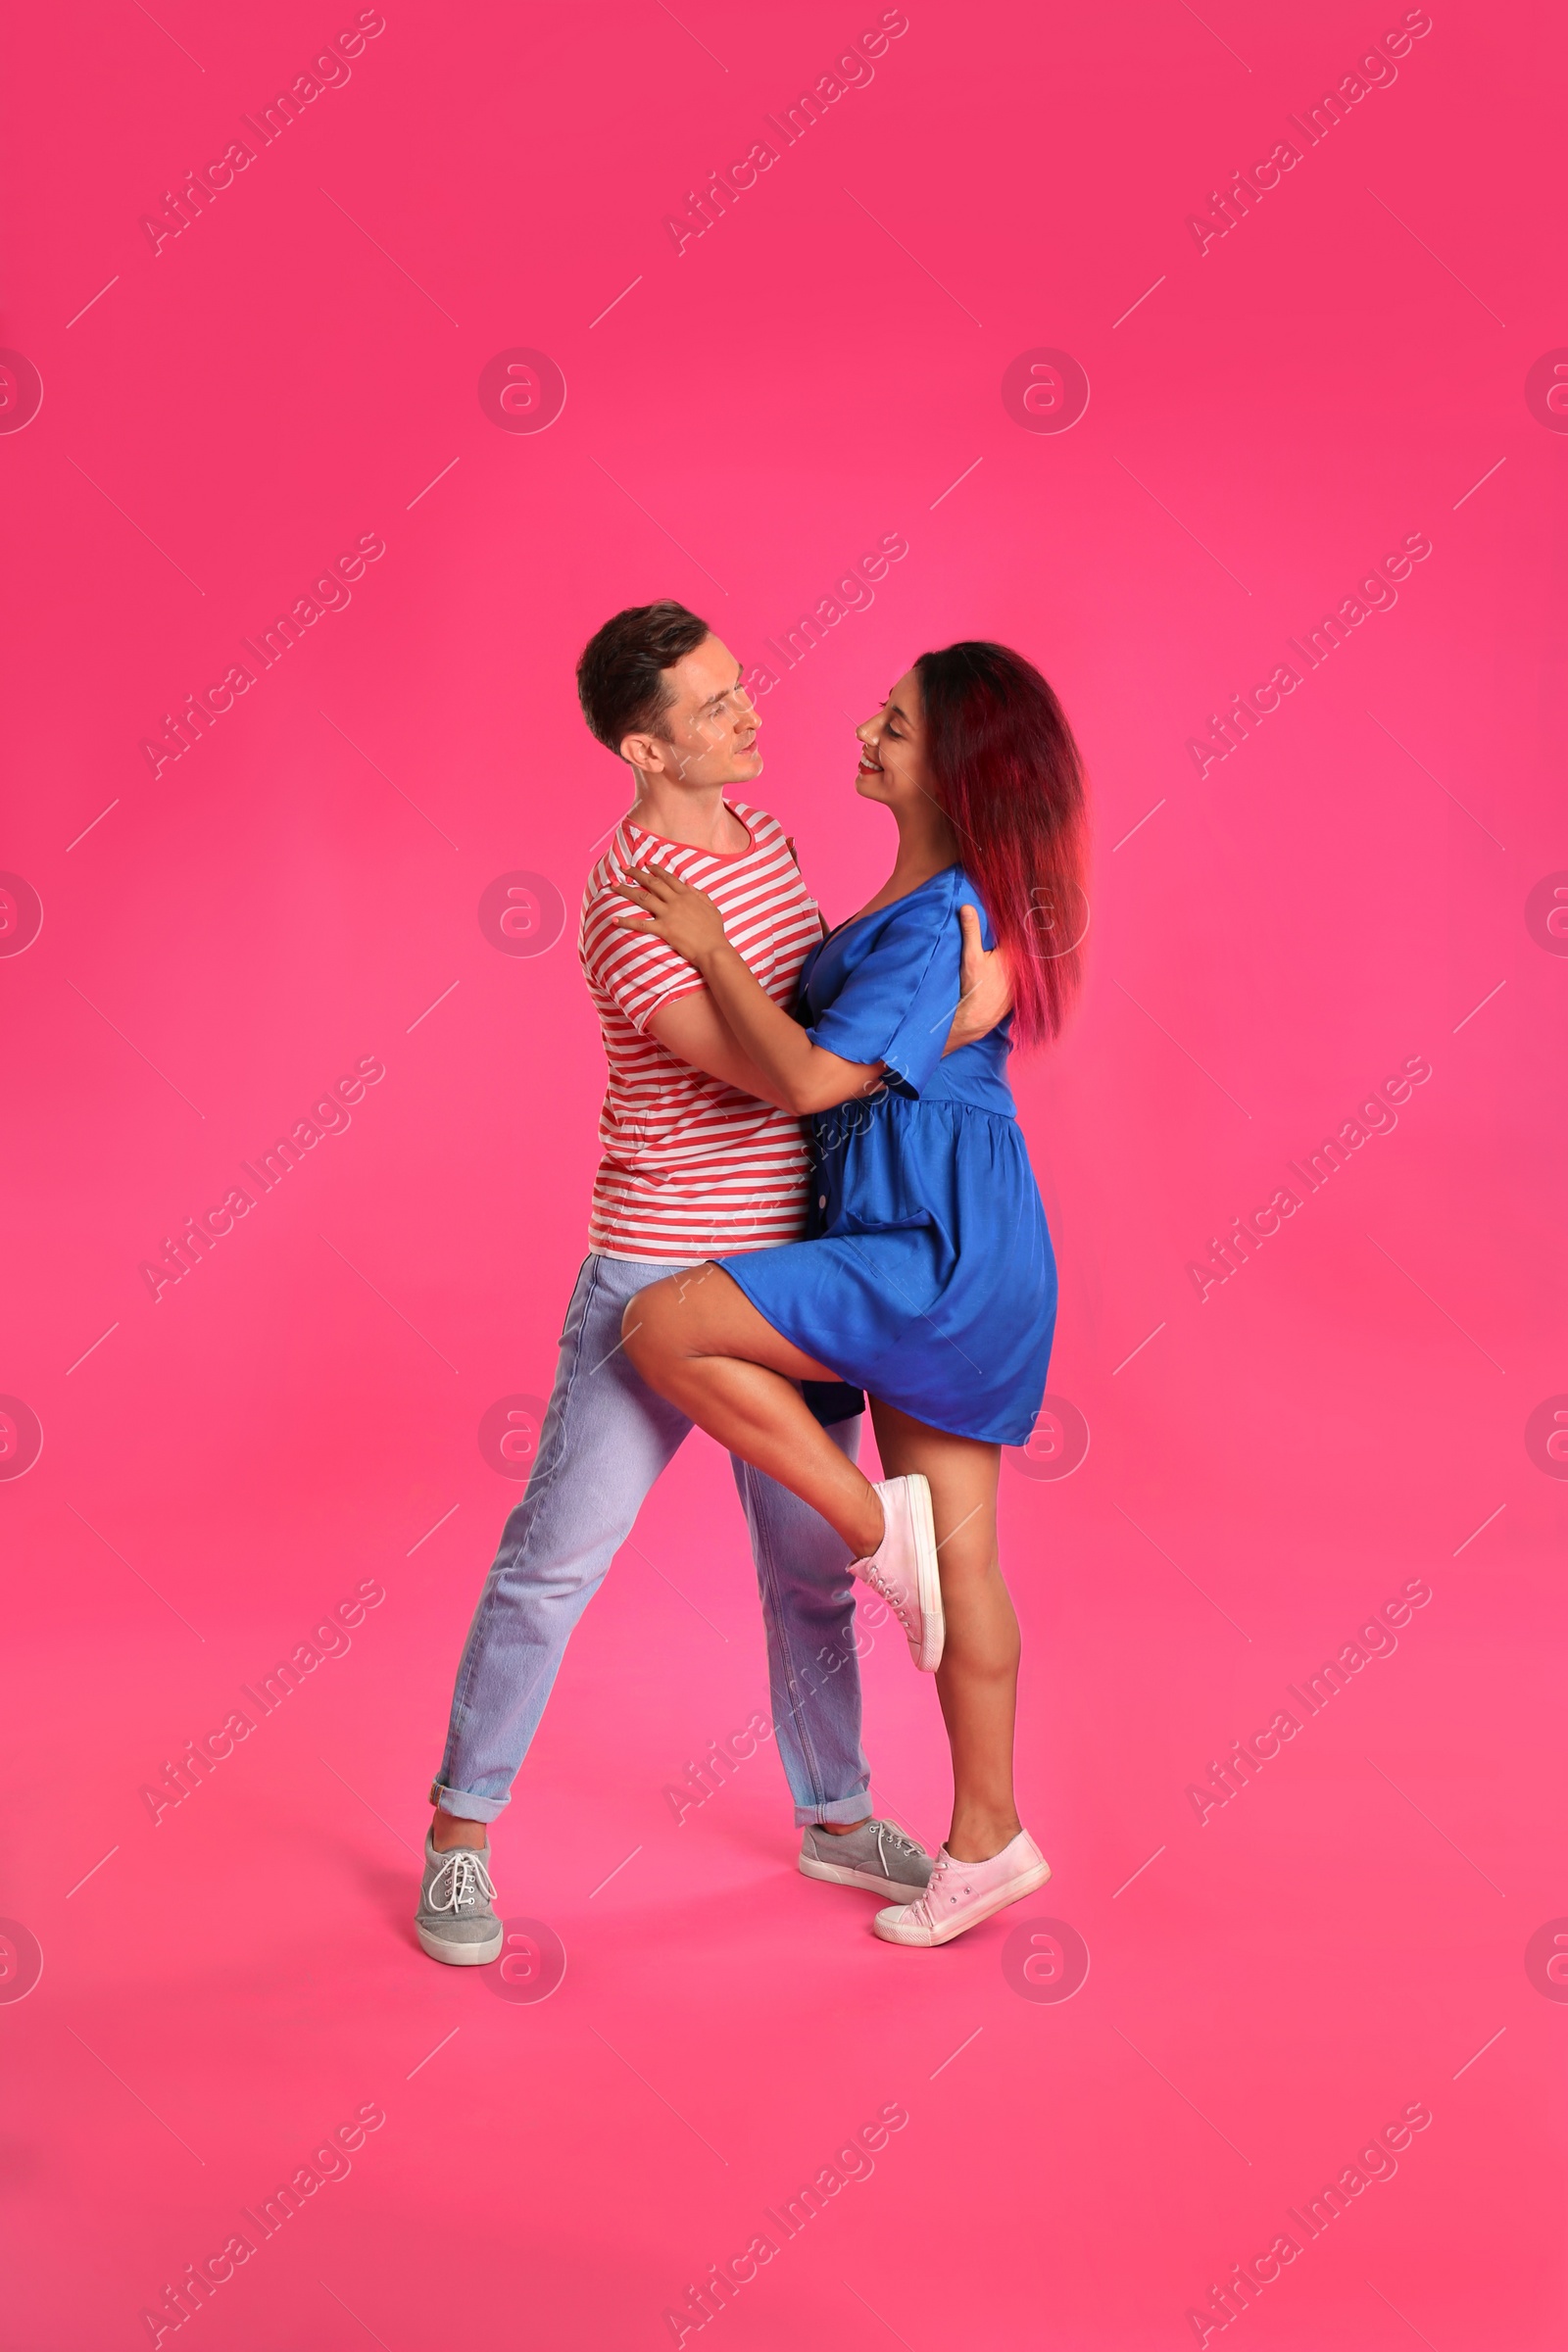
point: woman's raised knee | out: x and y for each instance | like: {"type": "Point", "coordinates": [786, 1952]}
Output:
{"type": "Point", "coordinates": [647, 1328]}
{"type": "Point", "coordinates": [633, 1324]}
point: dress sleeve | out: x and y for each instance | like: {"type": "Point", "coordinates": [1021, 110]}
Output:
{"type": "Point", "coordinates": [897, 1005]}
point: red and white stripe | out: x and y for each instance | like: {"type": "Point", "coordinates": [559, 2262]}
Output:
{"type": "Point", "coordinates": [691, 1168]}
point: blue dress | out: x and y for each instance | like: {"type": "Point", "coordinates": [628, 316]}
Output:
{"type": "Point", "coordinates": [929, 1277]}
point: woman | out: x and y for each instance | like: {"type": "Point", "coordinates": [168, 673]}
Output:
{"type": "Point", "coordinates": [929, 1280]}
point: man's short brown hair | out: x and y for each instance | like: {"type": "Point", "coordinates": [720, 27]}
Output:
{"type": "Point", "coordinates": [620, 678]}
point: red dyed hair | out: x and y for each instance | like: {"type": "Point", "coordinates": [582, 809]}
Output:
{"type": "Point", "coordinates": [1009, 779]}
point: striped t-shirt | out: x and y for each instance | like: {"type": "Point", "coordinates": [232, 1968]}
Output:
{"type": "Point", "coordinates": [692, 1167]}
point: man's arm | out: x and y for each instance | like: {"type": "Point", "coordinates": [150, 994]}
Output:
{"type": "Point", "coordinates": [696, 1033]}
{"type": "Point", "coordinates": [985, 987]}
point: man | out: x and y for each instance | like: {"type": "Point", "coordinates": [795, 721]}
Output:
{"type": "Point", "coordinates": [699, 1158]}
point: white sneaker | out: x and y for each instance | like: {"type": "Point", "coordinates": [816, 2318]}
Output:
{"type": "Point", "coordinates": [960, 1895]}
{"type": "Point", "coordinates": [903, 1567]}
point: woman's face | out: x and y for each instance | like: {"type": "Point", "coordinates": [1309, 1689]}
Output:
{"type": "Point", "coordinates": [892, 766]}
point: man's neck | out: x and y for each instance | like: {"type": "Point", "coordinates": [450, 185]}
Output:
{"type": "Point", "coordinates": [693, 815]}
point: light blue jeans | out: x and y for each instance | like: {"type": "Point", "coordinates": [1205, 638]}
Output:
{"type": "Point", "coordinates": [605, 1441]}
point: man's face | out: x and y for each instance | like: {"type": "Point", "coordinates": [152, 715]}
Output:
{"type": "Point", "coordinates": [708, 734]}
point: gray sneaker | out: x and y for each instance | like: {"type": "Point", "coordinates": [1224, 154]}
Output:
{"type": "Point", "coordinates": [876, 1856]}
{"type": "Point", "coordinates": [455, 1921]}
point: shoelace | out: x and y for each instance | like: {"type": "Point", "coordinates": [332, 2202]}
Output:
{"type": "Point", "coordinates": [879, 1583]}
{"type": "Point", "coordinates": [468, 1880]}
{"type": "Point", "coordinates": [937, 1885]}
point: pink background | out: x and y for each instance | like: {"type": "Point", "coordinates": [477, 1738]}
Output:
{"type": "Point", "coordinates": [1268, 419]}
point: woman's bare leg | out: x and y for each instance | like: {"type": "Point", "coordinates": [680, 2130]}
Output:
{"type": "Point", "coordinates": [977, 1680]}
{"type": "Point", "coordinates": [698, 1339]}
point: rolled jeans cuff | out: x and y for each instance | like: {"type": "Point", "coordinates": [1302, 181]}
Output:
{"type": "Point", "coordinates": [465, 1808]}
{"type": "Point", "coordinates": [849, 1809]}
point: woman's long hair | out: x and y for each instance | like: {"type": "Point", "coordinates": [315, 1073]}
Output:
{"type": "Point", "coordinates": [1009, 779]}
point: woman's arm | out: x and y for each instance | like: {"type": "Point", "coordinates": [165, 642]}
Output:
{"type": "Point", "coordinates": [805, 1076]}
{"type": "Point", "coordinates": [695, 1032]}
